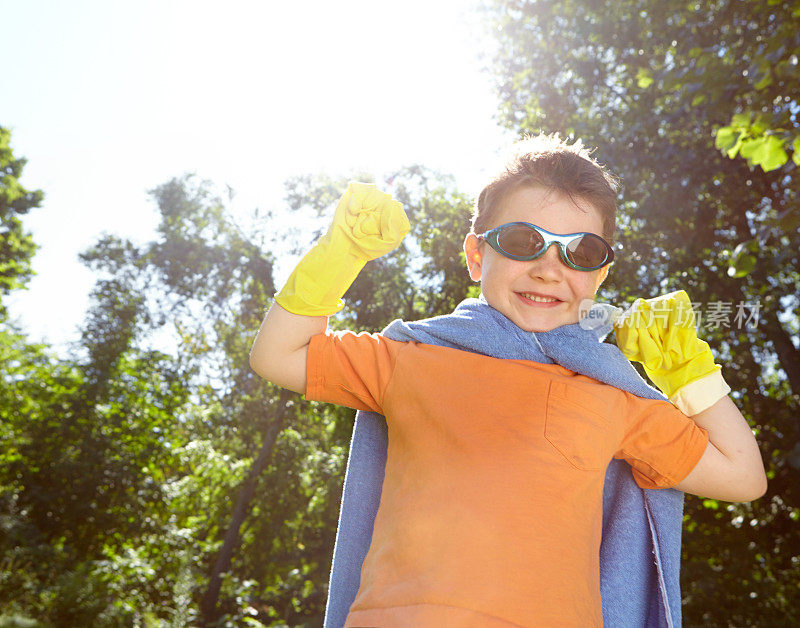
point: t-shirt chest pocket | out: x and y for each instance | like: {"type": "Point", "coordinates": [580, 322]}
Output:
{"type": "Point", "coordinates": [576, 425]}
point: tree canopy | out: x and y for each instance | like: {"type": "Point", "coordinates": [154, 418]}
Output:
{"type": "Point", "coordinates": [144, 485]}
{"type": "Point", "coordinates": [151, 478]}
{"type": "Point", "coordinates": [653, 84]}
{"type": "Point", "coordinates": [16, 245]}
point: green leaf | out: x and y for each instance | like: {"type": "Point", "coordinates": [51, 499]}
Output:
{"type": "Point", "coordinates": [742, 262]}
{"type": "Point", "coordinates": [741, 119]}
{"type": "Point", "coordinates": [698, 100]}
{"type": "Point", "coordinates": [726, 137]}
{"type": "Point", "coordinates": [742, 266]}
{"type": "Point", "coordinates": [735, 148]}
{"type": "Point", "coordinates": [643, 78]}
{"type": "Point", "coordinates": [796, 149]}
{"type": "Point", "coordinates": [770, 154]}
{"type": "Point", "coordinates": [750, 146]}
{"type": "Point", "coordinates": [729, 140]}
{"type": "Point", "coordinates": [759, 126]}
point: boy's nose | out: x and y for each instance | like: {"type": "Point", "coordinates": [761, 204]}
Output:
{"type": "Point", "coordinates": [549, 266]}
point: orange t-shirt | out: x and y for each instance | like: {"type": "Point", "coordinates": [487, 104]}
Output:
{"type": "Point", "coordinates": [491, 507]}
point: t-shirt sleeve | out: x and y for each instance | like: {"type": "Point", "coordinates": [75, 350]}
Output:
{"type": "Point", "coordinates": [661, 444]}
{"type": "Point", "coordinates": [350, 369]}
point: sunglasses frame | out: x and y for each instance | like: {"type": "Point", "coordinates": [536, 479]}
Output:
{"type": "Point", "coordinates": [549, 238]}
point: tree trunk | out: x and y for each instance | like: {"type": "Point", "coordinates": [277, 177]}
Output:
{"type": "Point", "coordinates": [208, 604]}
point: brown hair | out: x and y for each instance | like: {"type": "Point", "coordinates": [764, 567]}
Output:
{"type": "Point", "coordinates": [548, 161]}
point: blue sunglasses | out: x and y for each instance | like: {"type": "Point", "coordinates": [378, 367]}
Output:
{"type": "Point", "coordinates": [524, 241]}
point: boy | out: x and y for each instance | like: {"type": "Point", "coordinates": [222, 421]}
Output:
{"type": "Point", "coordinates": [491, 506]}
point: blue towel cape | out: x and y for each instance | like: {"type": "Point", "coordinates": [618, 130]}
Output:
{"type": "Point", "coordinates": [641, 544]}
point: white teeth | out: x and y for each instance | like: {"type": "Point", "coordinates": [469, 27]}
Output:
{"type": "Point", "coordinates": [538, 299]}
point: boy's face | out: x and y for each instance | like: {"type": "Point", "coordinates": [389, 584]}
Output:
{"type": "Point", "coordinates": [508, 284]}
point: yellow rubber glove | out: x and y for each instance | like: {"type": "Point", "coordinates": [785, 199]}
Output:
{"type": "Point", "coordinates": [368, 223]}
{"type": "Point", "coordinates": [660, 333]}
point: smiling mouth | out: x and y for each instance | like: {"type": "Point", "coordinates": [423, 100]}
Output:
{"type": "Point", "coordinates": [535, 298]}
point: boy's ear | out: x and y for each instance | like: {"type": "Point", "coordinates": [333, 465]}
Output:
{"type": "Point", "coordinates": [602, 276]}
{"type": "Point", "coordinates": [474, 257]}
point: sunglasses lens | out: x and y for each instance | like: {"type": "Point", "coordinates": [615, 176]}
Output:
{"type": "Point", "coordinates": [520, 240]}
{"type": "Point", "coordinates": [587, 251]}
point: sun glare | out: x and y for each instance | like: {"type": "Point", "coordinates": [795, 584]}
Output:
{"type": "Point", "coordinates": [245, 94]}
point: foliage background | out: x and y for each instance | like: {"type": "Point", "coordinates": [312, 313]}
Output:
{"type": "Point", "coordinates": [144, 487]}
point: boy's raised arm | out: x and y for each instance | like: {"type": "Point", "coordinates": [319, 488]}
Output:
{"type": "Point", "coordinates": [368, 223]}
{"type": "Point", "coordinates": [660, 333]}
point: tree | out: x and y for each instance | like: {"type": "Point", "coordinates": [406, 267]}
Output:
{"type": "Point", "coordinates": [761, 43]}
{"type": "Point", "coordinates": [81, 441]}
{"type": "Point", "coordinates": [207, 285]}
{"type": "Point", "coordinates": [172, 484]}
{"type": "Point", "coordinates": [625, 76]}
{"type": "Point", "coordinates": [80, 464]}
{"type": "Point", "coordinates": [16, 245]}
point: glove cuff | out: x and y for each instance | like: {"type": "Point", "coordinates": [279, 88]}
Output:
{"type": "Point", "coordinates": [297, 305]}
{"type": "Point", "coordinates": [317, 284]}
{"type": "Point", "coordinates": [700, 394]}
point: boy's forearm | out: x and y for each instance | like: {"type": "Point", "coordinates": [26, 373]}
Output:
{"type": "Point", "coordinates": [729, 432]}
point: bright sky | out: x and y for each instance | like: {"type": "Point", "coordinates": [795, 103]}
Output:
{"type": "Point", "coordinates": [107, 100]}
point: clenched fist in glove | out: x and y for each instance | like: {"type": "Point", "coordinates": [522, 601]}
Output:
{"type": "Point", "coordinates": [660, 333]}
{"type": "Point", "coordinates": [368, 223]}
